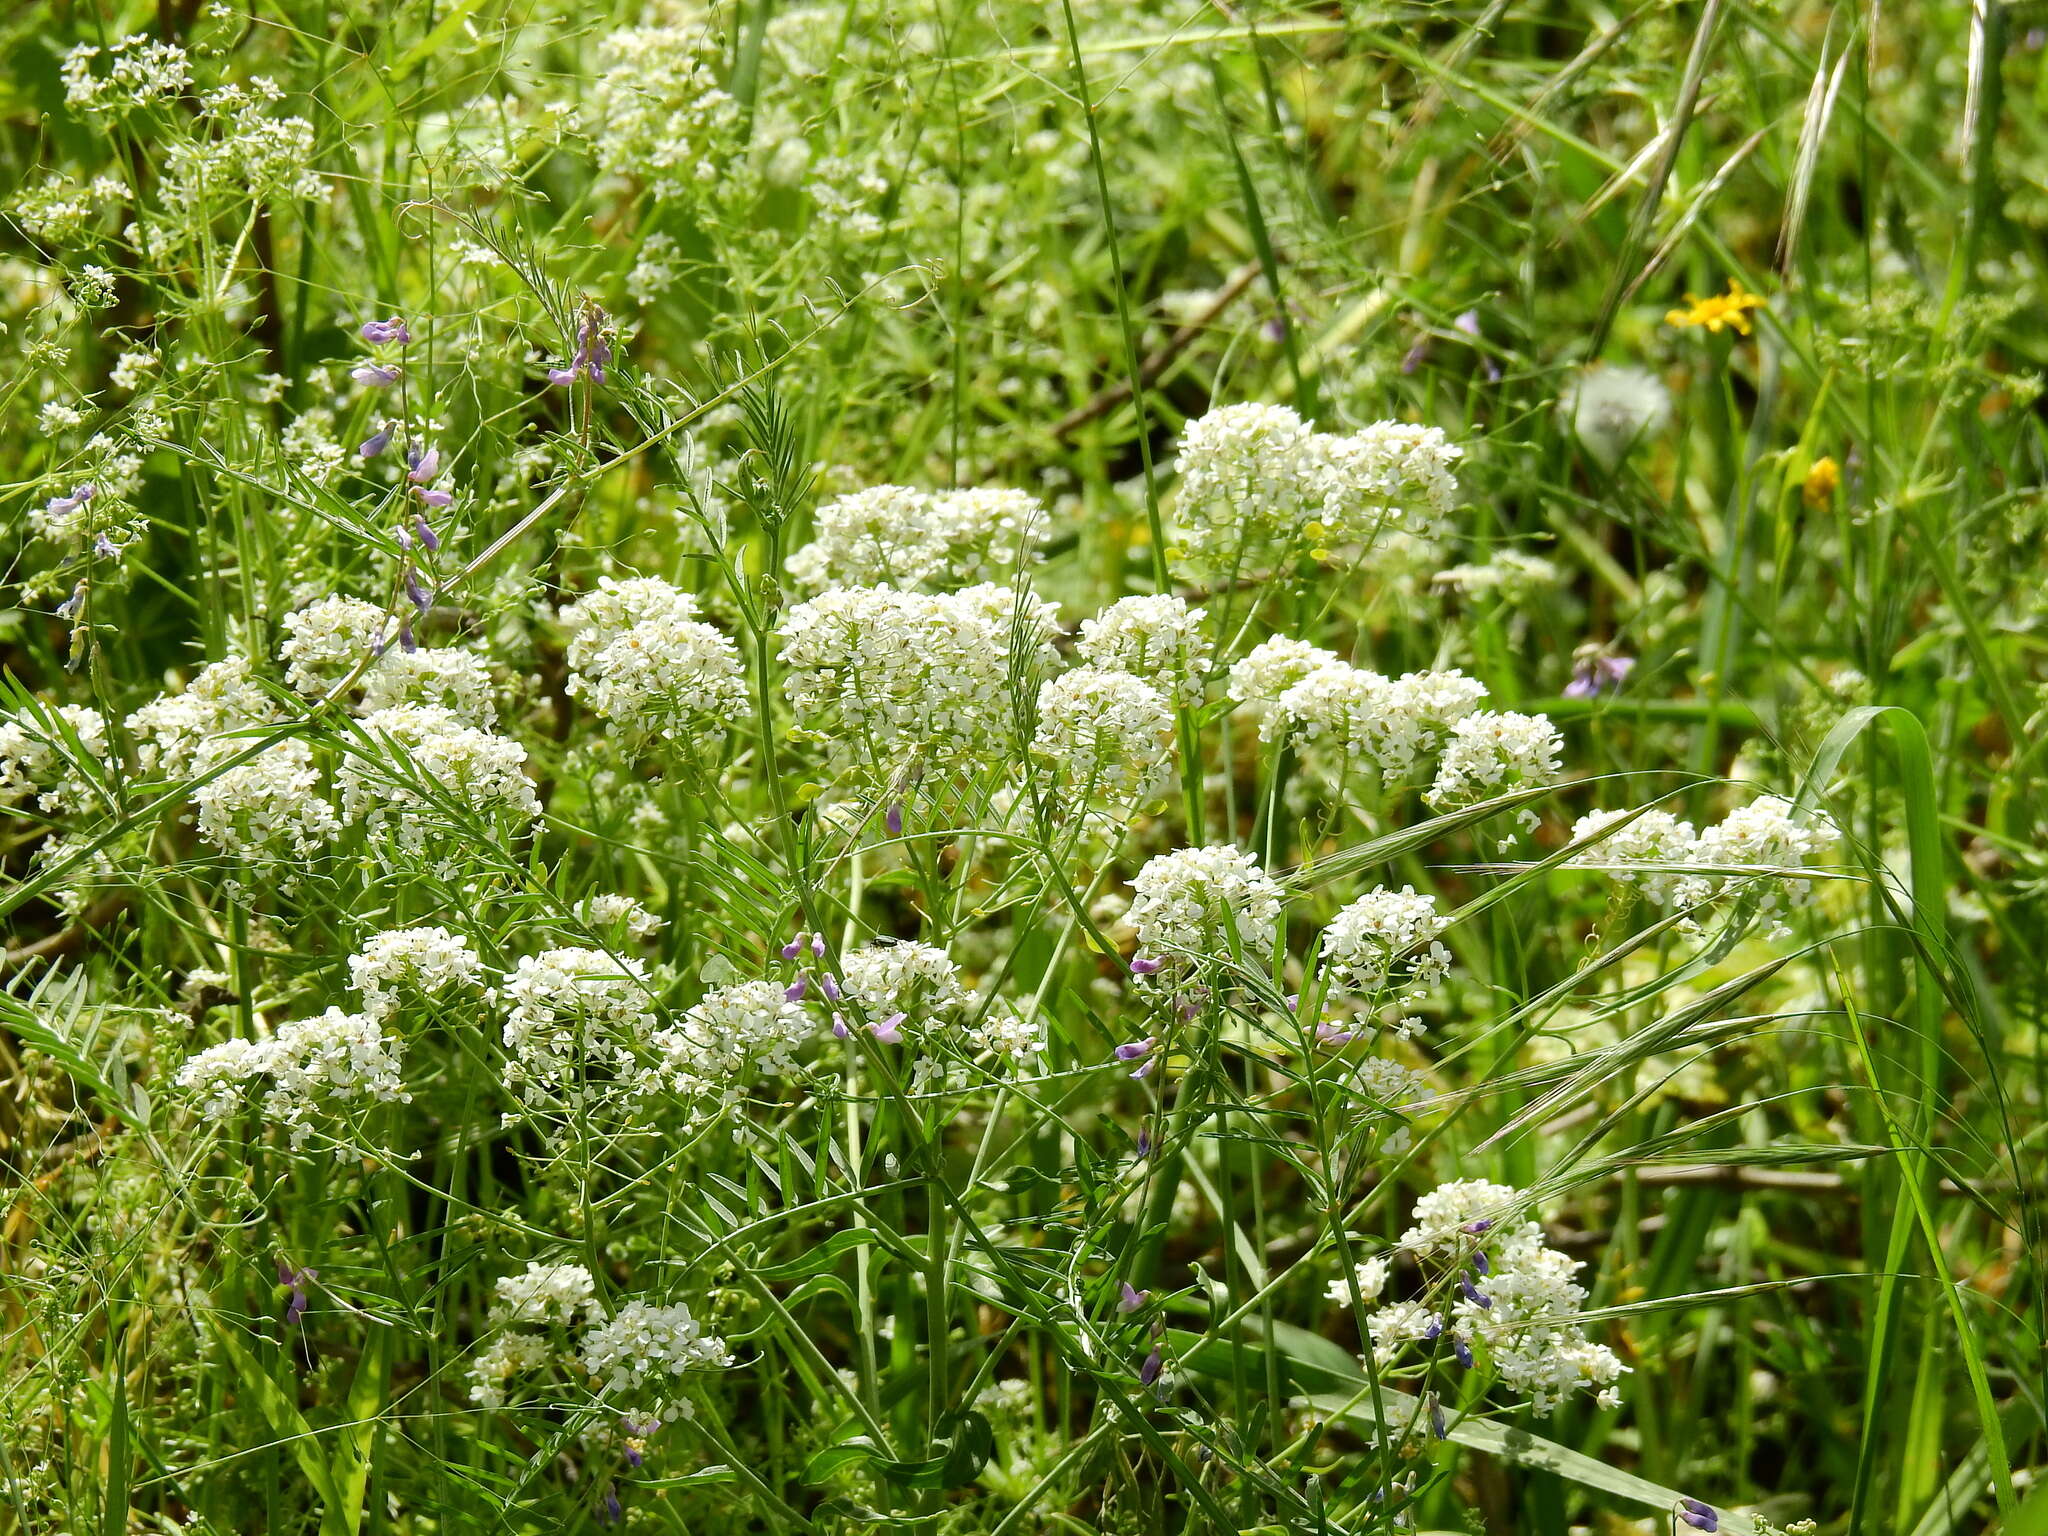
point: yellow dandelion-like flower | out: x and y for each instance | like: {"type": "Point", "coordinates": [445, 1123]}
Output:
{"type": "Point", "coordinates": [1730, 308]}
{"type": "Point", "coordinates": [1821, 482]}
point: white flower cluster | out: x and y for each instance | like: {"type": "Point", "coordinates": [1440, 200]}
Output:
{"type": "Point", "coordinates": [910, 674]}
{"type": "Point", "coordinates": [642, 1341]}
{"type": "Point", "coordinates": [750, 1026]}
{"type": "Point", "coordinates": [1258, 484]}
{"type": "Point", "coordinates": [574, 1010]}
{"type": "Point", "coordinates": [1383, 930]}
{"type": "Point", "coordinates": [659, 114]}
{"type": "Point", "coordinates": [443, 767]}
{"type": "Point", "coordinates": [1188, 904]}
{"type": "Point", "coordinates": [1106, 735]}
{"type": "Point", "coordinates": [1492, 753]}
{"type": "Point", "coordinates": [267, 809]}
{"type": "Point", "coordinates": [1157, 638]}
{"type": "Point", "coordinates": [1513, 1294]}
{"type": "Point", "coordinates": [336, 1060]}
{"type": "Point", "coordinates": [609, 910]}
{"type": "Point", "coordinates": [892, 977]}
{"type": "Point", "coordinates": [327, 640]}
{"type": "Point", "coordinates": [178, 734]}
{"type": "Point", "coordinates": [439, 677]}
{"type": "Point", "coordinates": [545, 1296]}
{"type": "Point", "coordinates": [428, 962]}
{"type": "Point", "coordinates": [644, 660]}
{"type": "Point", "coordinates": [1762, 840]}
{"type": "Point", "coordinates": [892, 535]}
{"type": "Point", "coordinates": [39, 756]}
{"type": "Point", "coordinates": [1344, 717]}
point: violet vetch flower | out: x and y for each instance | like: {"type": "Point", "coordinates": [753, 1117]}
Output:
{"type": "Point", "coordinates": [1597, 675]}
{"type": "Point", "coordinates": [795, 991]}
{"type": "Point", "coordinates": [839, 1030]}
{"type": "Point", "coordinates": [295, 1280]}
{"type": "Point", "coordinates": [436, 498]}
{"type": "Point", "coordinates": [611, 1513]}
{"type": "Point", "coordinates": [425, 530]}
{"type": "Point", "coordinates": [1436, 1418]}
{"type": "Point", "coordinates": [894, 819]}
{"type": "Point", "coordinates": [593, 352]}
{"type": "Point", "coordinates": [1148, 1373]}
{"type": "Point", "coordinates": [415, 591]}
{"type": "Point", "coordinates": [1433, 1332]}
{"type": "Point", "coordinates": [1478, 1228]}
{"type": "Point", "coordinates": [106, 548]}
{"type": "Point", "coordinates": [795, 946]}
{"type": "Point", "coordinates": [380, 333]}
{"type": "Point", "coordinates": [64, 506]}
{"type": "Point", "coordinates": [1480, 1263]}
{"type": "Point", "coordinates": [406, 643]}
{"type": "Point", "coordinates": [422, 467]}
{"type": "Point", "coordinates": [1145, 1069]}
{"type": "Point", "coordinates": [376, 443]}
{"type": "Point", "coordinates": [818, 945]}
{"type": "Point", "coordinates": [1143, 1145]}
{"type": "Point", "coordinates": [1335, 1035]}
{"type": "Point", "coordinates": [1132, 1298]}
{"type": "Point", "coordinates": [829, 986]}
{"type": "Point", "coordinates": [890, 1030]}
{"type": "Point", "coordinates": [73, 603]}
{"type": "Point", "coordinates": [1701, 1517]}
{"type": "Point", "coordinates": [375, 375]}
{"type": "Point", "coordinates": [1473, 1294]}
{"type": "Point", "coordinates": [1142, 966]}
{"type": "Point", "coordinates": [1137, 1050]}
{"type": "Point", "coordinates": [1462, 1350]}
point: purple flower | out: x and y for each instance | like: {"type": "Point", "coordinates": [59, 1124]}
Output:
{"type": "Point", "coordinates": [436, 498]}
{"type": "Point", "coordinates": [106, 548]}
{"type": "Point", "coordinates": [405, 639]}
{"type": "Point", "coordinates": [795, 946]}
{"type": "Point", "coordinates": [1132, 1298]}
{"type": "Point", "coordinates": [1335, 1035]}
{"type": "Point", "coordinates": [593, 351]}
{"type": "Point", "coordinates": [611, 1513]}
{"type": "Point", "coordinates": [1149, 1371]}
{"type": "Point", "coordinates": [295, 1280]}
{"type": "Point", "coordinates": [1414, 356]}
{"type": "Point", "coordinates": [1479, 1262]}
{"type": "Point", "coordinates": [1462, 1350]}
{"type": "Point", "coordinates": [818, 945]}
{"type": "Point", "coordinates": [1473, 1294]}
{"type": "Point", "coordinates": [415, 591]}
{"type": "Point", "coordinates": [890, 1030]}
{"type": "Point", "coordinates": [380, 333]}
{"type": "Point", "coordinates": [1597, 675]}
{"type": "Point", "coordinates": [894, 819]}
{"type": "Point", "coordinates": [1478, 1228]}
{"type": "Point", "coordinates": [839, 1026]}
{"type": "Point", "coordinates": [1436, 1418]}
{"type": "Point", "coordinates": [1137, 1050]}
{"type": "Point", "coordinates": [73, 603]}
{"type": "Point", "coordinates": [426, 532]}
{"type": "Point", "coordinates": [1701, 1517]}
{"type": "Point", "coordinates": [1433, 1332]}
{"type": "Point", "coordinates": [829, 986]}
{"type": "Point", "coordinates": [376, 443]}
{"type": "Point", "coordinates": [1145, 1069]}
{"type": "Point", "coordinates": [795, 991]}
{"type": "Point", "coordinates": [64, 506]}
{"type": "Point", "coordinates": [1143, 1145]}
{"type": "Point", "coordinates": [1142, 966]}
{"type": "Point", "coordinates": [422, 467]}
{"type": "Point", "coordinates": [375, 375]}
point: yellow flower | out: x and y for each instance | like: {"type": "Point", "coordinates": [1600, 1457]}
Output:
{"type": "Point", "coordinates": [1730, 308]}
{"type": "Point", "coordinates": [1821, 481]}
